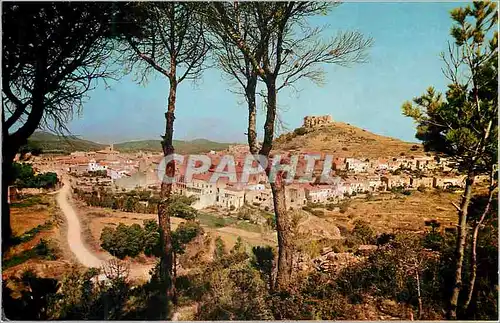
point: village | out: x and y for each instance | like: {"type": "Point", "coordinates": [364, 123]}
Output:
{"type": "Point", "coordinates": [357, 177]}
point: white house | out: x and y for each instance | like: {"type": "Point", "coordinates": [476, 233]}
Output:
{"type": "Point", "coordinates": [94, 166]}
{"type": "Point", "coordinates": [356, 165]}
{"type": "Point", "coordinates": [318, 194]}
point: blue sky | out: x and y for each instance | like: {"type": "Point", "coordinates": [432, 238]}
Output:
{"type": "Point", "coordinates": [404, 61]}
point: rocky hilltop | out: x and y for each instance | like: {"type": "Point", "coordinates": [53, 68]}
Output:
{"type": "Point", "coordinates": [314, 121]}
{"type": "Point", "coordinates": [322, 134]}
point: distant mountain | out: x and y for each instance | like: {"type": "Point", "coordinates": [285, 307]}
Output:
{"type": "Point", "coordinates": [181, 147]}
{"type": "Point", "coordinates": [344, 140]}
{"type": "Point", "coordinates": [51, 143]}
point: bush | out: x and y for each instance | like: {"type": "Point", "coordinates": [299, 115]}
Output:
{"type": "Point", "coordinates": [433, 240]}
{"type": "Point", "coordinates": [307, 208]}
{"type": "Point", "coordinates": [236, 292]}
{"type": "Point", "coordinates": [245, 213]}
{"type": "Point", "coordinates": [184, 234]}
{"type": "Point", "coordinates": [300, 131]}
{"type": "Point", "coordinates": [263, 261]}
{"type": "Point", "coordinates": [123, 241]}
{"type": "Point", "coordinates": [363, 232]}
{"type": "Point", "coordinates": [315, 297]}
{"type": "Point", "coordinates": [152, 245]}
{"type": "Point", "coordinates": [25, 177]}
{"type": "Point", "coordinates": [318, 213]}
{"type": "Point", "coordinates": [43, 250]}
{"type": "Point", "coordinates": [180, 207]}
{"type": "Point", "coordinates": [384, 239]}
{"type": "Point", "coordinates": [330, 206]}
{"type": "Point", "coordinates": [220, 248]}
{"type": "Point", "coordinates": [344, 207]}
{"type": "Point", "coordinates": [338, 246]}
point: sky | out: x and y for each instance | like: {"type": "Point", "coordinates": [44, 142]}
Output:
{"type": "Point", "coordinates": [403, 61]}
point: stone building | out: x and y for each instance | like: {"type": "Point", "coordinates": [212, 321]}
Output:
{"type": "Point", "coordinates": [391, 181]}
{"type": "Point", "coordinates": [230, 197]}
{"type": "Point", "coordinates": [445, 182]}
{"type": "Point", "coordinates": [313, 121]}
{"type": "Point", "coordinates": [427, 182]}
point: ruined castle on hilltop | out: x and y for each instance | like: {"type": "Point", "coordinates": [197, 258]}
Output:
{"type": "Point", "coordinates": [314, 121]}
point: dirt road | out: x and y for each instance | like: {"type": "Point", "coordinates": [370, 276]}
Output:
{"type": "Point", "coordinates": [75, 242]}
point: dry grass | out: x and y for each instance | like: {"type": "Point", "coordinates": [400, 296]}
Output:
{"type": "Point", "coordinates": [24, 219]}
{"type": "Point", "coordinates": [344, 140]}
{"type": "Point", "coordinates": [401, 213]}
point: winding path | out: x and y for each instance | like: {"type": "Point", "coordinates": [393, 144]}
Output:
{"type": "Point", "coordinates": [75, 242]}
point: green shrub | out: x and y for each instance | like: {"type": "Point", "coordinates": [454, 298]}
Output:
{"type": "Point", "coordinates": [331, 206]}
{"type": "Point", "coordinates": [43, 250]}
{"type": "Point", "coordinates": [363, 232]}
{"type": "Point", "coordinates": [123, 241]}
{"type": "Point", "coordinates": [184, 234]}
{"type": "Point", "coordinates": [318, 213]}
{"type": "Point", "coordinates": [30, 234]}
{"type": "Point", "coordinates": [263, 261]}
{"type": "Point", "coordinates": [338, 246]}
{"type": "Point", "coordinates": [300, 131]}
{"type": "Point", "coordinates": [220, 248]}
{"type": "Point", "coordinates": [24, 176]}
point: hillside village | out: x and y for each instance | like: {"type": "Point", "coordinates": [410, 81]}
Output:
{"type": "Point", "coordinates": [327, 221]}
{"type": "Point", "coordinates": [357, 176]}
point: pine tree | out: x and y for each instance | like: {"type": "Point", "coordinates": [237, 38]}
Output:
{"type": "Point", "coordinates": [463, 123]}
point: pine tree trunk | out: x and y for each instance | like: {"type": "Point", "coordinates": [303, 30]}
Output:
{"type": "Point", "coordinates": [285, 246]}
{"type": "Point", "coordinates": [460, 245]}
{"type": "Point", "coordinates": [278, 190]}
{"type": "Point", "coordinates": [166, 263]}
{"type": "Point", "coordinates": [477, 225]}
{"type": "Point", "coordinates": [252, 114]}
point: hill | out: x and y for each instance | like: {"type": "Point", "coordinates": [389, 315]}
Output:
{"type": "Point", "coordinates": [51, 143]}
{"type": "Point", "coordinates": [181, 147]}
{"type": "Point", "coordinates": [344, 140]}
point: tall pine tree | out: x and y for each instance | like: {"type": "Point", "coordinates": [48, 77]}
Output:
{"type": "Point", "coordinates": [463, 123]}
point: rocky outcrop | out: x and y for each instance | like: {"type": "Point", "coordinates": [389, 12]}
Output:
{"type": "Point", "coordinates": [333, 262]}
{"type": "Point", "coordinates": [314, 121]}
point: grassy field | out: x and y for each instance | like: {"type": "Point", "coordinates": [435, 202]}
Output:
{"type": "Point", "coordinates": [37, 239]}
{"type": "Point", "coordinates": [214, 221]}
